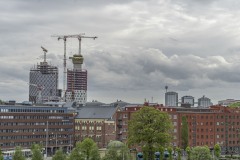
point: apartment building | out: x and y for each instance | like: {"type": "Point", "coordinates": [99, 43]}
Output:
{"type": "Point", "coordinates": [20, 125]}
{"type": "Point", "coordinates": [206, 126]}
{"type": "Point", "coordinates": [96, 122]}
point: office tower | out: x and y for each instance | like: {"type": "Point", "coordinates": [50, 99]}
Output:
{"type": "Point", "coordinates": [43, 83]}
{"type": "Point", "coordinates": [77, 82]}
{"type": "Point", "coordinates": [171, 99]}
{"type": "Point", "coordinates": [204, 102]}
{"type": "Point", "coordinates": [187, 100]}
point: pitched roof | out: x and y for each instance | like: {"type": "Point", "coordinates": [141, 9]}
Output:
{"type": "Point", "coordinates": [95, 112]}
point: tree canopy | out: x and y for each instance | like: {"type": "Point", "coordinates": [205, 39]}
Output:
{"type": "Point", "coordinates": [149, 128]}
{"type": "Point", "coordinates": [217, 150]}
{"type": "Point", "coordinates": [59, 155]}
{"type": "Point", "coordinates": [85, 150]}
{"type": "Point", "coordinates": [200, 153]}
{"type": "Point", "coordinates": [1, 155]}
{"type": "Point", "coordinates": [117, 153]}
{"type": "Point", "coordinates": [89, 149]}
{"type": "Point", "coordinates": [18, 155]}
{"type": "Point", "coordinates": [36, 152]}
{"type": "Point", "coordinates": [184, 132]}
{"type": "Point", "coordinates": [235, 105]}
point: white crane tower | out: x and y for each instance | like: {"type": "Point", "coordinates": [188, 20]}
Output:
{"type": "Point", "coordinates": [64, 38]}
{"type": "Point", "coordinates": [45, 51]}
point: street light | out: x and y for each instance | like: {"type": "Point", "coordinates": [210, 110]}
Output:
{"type": "Point", "coordinates": [46, 139]}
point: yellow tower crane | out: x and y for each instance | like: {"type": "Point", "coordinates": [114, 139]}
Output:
{"type": "Point", "coordinates": [64, 38]}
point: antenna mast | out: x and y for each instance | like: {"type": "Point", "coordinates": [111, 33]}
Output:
{"type": "Point", "coordinates": [166, 87]}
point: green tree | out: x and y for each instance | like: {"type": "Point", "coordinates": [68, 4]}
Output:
{"type": "Point", "coordinates": [18, 155]}
{"type": "Point", "coordinates": [200, 153]}
{"type": "Point", "coordinates": [170, 153]}
{"type": "Point", "coordinates": [36, 152]}
{"type": "Point", "coordinates": [151, 129]}
{"type": "Point", "coordinates": [188, 150]}
{"type": "Point", "coordinates": [89, 149]}
{"type": "Point", "coordinates": [124, 153]}
{"type": "Point", "coordinates": [179, 153]}
{"type": "Point", "coordinates": [161, 150]}
{"type": "Point", "coordinates": [59, 155]}
{"type": "Point", "coordinates": [76, 153]}
{"type": "Point", "coordinates": [112, 154]}
{"type": "Point", "coordinates": [235, 105]}
{"type": "Point", "coordinates": [1, 155]}
{"type": "Point", "coordinates": [217, 150]}
{"type": "Point", "coordinates": [184, 132]}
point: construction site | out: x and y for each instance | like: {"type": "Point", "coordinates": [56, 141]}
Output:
{"type": "Point", "coordinates": [44, 78]}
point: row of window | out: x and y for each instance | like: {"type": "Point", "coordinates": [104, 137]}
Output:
{"type": "Point", "coordinates": [34, 123]}
{"type": "Point", "coordinates": [33, 136]}
{"type": "Point", "coordinates": [34, 110]}
{"type": "Point", "coordinates": [35, 130]}
{"type": "Point", "coordinates": [230, 117]}
{"type": "Point", "coordinates": [13, 144]}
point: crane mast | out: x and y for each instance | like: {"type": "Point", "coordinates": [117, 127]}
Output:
{"type": "Point", "coordinates": [64, 38]}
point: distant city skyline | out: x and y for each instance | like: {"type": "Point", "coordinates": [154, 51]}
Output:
{"type": "Point", "coordinates": [191, 46]}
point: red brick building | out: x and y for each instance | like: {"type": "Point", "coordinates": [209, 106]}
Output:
{"type": "Point", "coordinates": [96, 122]}
{"type": "Point", "coordinates": [206, 126]}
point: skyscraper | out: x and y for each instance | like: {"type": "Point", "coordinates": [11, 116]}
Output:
{"type": "Point", "coordinates": [43, 83]}
{"type": "Point", "coordinates": [171, 99]}
{"type": "Point", "coordinates": [77, 82]}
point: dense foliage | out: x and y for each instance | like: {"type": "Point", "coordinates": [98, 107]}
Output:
{"type": "Point", "coordinates": [114, 153]}
{"type": "Point", "coordinates": [36, 152]}
{"type": "Point", "coordinates": [59, 155]}
{"type": "Point", "coordinates": [85, 150]}
{"type": "Point", "coordinates": [184, 132]}
{"type": "Point", "coordinates": [1, 155]}
{"type": "Point", "coordinates": [149, 128]}
{"type": "Point", "coordinates": [18, 155]}
{"type": "Point", "coordinates": [200, 153]}
{"type": "Point", "coordinates": [235, 105]}
{"type": "Point", "coordinates": [217, 150]}
{"type": "Point", "coordinates": [89, 149]}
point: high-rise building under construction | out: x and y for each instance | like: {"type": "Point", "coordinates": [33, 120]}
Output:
{"type": "Point", "coordinates": [43, 82]}
{"type": "Point", "coordinates": [77, 82]}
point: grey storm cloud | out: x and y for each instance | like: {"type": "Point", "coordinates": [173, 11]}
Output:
{"type": "Point", "coordinates": [154, 69]}
{"type": "Point", "coordinates": [142, 46]}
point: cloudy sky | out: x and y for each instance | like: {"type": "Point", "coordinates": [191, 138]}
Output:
{"type": "Point", "coordinates": [192, 46]}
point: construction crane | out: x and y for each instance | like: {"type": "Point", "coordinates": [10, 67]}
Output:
{"type": "Point", "coordinates": [45, 51]}
{"type": "Point", "coordinates": [64, 38]}
{"type": "Point", "coordinates": [39, 89]}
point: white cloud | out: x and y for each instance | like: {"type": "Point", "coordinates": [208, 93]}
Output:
{"type": "Point", "coordinates": [190, 45]}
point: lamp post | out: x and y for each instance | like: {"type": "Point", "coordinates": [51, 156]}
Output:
{"type": "Point", "coordinates": [46, 139]}
{"type": "Point", "coordinates": [70, 147]}
{"type": "Point", "coordinates": [56, 140]}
